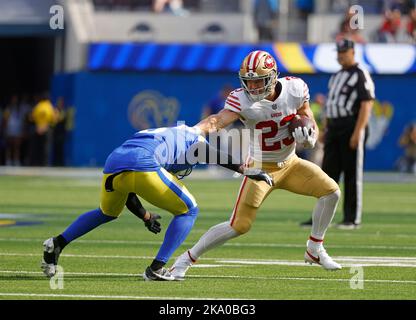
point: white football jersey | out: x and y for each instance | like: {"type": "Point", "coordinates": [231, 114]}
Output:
{"type": "Point", "coordinates": [274, 143]}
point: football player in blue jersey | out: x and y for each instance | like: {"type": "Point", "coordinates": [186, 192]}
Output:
{"type": "Point", "coordinates": [147, 165]}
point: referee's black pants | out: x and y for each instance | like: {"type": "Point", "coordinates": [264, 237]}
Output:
{"type": "Point", "coordinates": [340, 158]}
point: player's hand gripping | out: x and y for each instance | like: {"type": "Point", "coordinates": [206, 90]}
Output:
{"type": "Point", "coordinates": [305, 136]}
{"type": "Point", "coordinates": [257, 174]}
{"type": "Point", "coordinates": [152, 224]}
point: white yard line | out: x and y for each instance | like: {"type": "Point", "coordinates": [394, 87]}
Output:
{"type": "Point", "coordinates": [217, 276]}
{"type": "Point", "coordinates": [353, 263]}
{"type": "Point", "coordinates": [90, 296]}
{"type": "Point", "coordinates": [232, 244]}
{"type": "Point", "coordinates": [405, 262]}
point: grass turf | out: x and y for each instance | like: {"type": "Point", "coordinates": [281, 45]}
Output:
{"type": "Point", "coordinates": [107, 262]}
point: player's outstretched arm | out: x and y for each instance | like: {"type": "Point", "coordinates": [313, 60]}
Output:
{"type": "Point", "coordinates": [150, 219]}
{"type": "Point", "coordinates": [226, 160]}
{"type": "Point", "coordinates": [218, 121]}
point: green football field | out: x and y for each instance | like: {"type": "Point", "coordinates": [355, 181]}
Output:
{"type": "Point", "coordinates": [379, 259]}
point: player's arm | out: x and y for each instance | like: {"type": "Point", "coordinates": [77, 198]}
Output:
{"type": "Point", "coordinates": [150, 219]}
{"type": "Point", "coordinates": [366, 95]}
{"type": "Point", "coordinates": [225, 160]}
{"type": "Point", "coordinates": [362, 121]}
{"type": "Point", "coordinates": [306, 137]}
{"type": "Point", "coordinates": [218, 121]}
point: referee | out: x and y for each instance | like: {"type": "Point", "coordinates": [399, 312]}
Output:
{"type": "Point", "coordinates": [347, 111]}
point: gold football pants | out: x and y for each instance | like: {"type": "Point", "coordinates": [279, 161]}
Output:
{"type": "Point", "coordinates": [297, 175]}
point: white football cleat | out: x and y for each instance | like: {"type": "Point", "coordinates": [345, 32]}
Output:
{"type": "Point", "coordinates": [181, 265]}
{"type": "Point", "coordinates": [51, 252]}
{"type": "Point", "coordinates": [319, 256]}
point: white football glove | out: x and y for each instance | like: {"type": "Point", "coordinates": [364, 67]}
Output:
{"type": "Point", "coordinates": [302, 136]}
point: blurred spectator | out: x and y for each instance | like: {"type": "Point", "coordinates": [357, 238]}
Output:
{"type": "Point", "coordinates": [408, 142]}
{"type": "Point", "coordinates": [305, 7]}
{"type": "Point", "coordinates": [371, 6]}
{"type": "Point", "coordinates": [123, 4]}
{"type": "Point", "coordinates": [2, 140]}
{"type": "Point", "coordinates": [392, 28]}
{"type": "Point", "coordinates": [28, 129]}
{"type": "Point", "coordinates": [59, 134]}
{"type": "Point", "coordinates": [174, 6]}
{"type": "Point", "coordinates": [265, 12]}
{"type": "Point", "coordinates": [13, 116]}
{"type": "Point", "coordinates": [411, 25]}
{"type": "Point", "coordinates": [339, 6]}
{"type": "Point", "coordinates": [347, 31]}
{"type": "Point", "coordinates": [43, 115]}
{"type": "Point", "coordinates": [403, 5]}
{"type": "Point", "coordinates": [216, 104]}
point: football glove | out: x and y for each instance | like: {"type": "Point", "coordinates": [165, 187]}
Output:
{"type": "Point", "coordinates": [259, 175]}
{"type": "Point", "coordinates": [305, 136]}
{"type": "Point", "coordinates": [152, 224]}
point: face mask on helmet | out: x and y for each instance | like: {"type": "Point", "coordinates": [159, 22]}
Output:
{"type": "Point", "coordinates": [263, 87]}
{"type": "Point", "coordinates": [258, 75]}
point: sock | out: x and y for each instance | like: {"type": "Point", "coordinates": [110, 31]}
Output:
{"type": "Point", "coordinates": [178, 230]}
{"type": "Point", "coordinates": [314, 244]}
{"type": "Point", "coordinates": [84, 224]}
{"type": "Point", "coordinates": [61, 241]}
{"type": "Point", "coordinates": [214, 237]}
{"type": "Point", "coordinates": [156, 265]}
{"type": "Point", "coordinates": [323, 213]}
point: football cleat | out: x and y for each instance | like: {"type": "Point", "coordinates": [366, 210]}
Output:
{"type": "Point", "coordinates": [159, 275]}
{"type": "Point", "coordinates": [181, 265]}
{"type": "Point", "coordinates": [306, 224]}
{"type": "Point", "coordinates": [319, 256]}
{"type": "Point", "coordinates": [347, 226]}
{"type": "Point", "coordinates": [51, 252]}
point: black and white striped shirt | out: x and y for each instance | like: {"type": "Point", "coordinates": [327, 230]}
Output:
{"type": "Point", "coordinates": [347, 89]}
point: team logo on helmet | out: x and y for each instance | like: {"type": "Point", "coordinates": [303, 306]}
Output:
{"type": "Point", "coordinates": [269, 62]}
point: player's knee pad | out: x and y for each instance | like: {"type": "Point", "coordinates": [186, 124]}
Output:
{"type": "Point", "coordinates": [325, 187]}
{"type": "Point", "coordinates": [243, 217]}
{"type": "Point", "coordinates": [193, 211]}
{"type": "Point", "coordinates": [242, 225]}
{"type": "Point", "coordinates": [333, 197]}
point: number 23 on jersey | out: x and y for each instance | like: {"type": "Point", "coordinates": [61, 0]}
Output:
{"type": "Point", "coordinates": [270, 128]}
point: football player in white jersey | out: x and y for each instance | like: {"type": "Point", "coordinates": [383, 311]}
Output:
{"type": "Point", "coordinates": [268, 103]}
